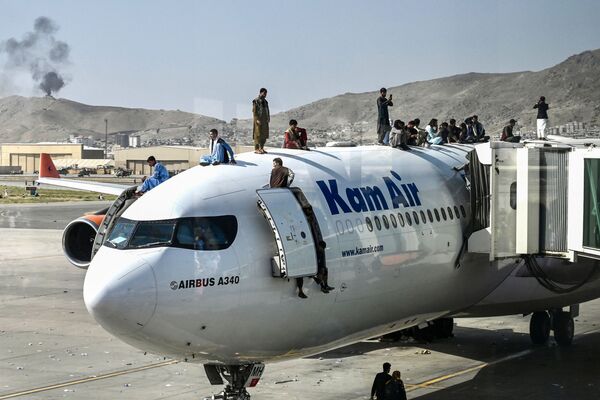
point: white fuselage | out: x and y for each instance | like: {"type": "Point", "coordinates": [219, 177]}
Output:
{"type": "Point", "coordinates": [235, 311]}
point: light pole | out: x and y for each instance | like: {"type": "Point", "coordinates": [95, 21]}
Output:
{"type": "Point", "coordinates": [106, 138]}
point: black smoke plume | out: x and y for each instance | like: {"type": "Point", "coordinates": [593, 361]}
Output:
{"type": "Point", "coordinates": [40, 53]}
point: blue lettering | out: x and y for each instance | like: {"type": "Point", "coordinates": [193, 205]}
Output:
{"type": "Point", "coordinates": [408, 196]}
{"type": "Point", "coordinates": [333, 198]}
{"type": "Point", "coordinates": [395, 193]}
{"type": "Point", "coordinates": [414, 190]}
{"type": "Point", "coordinates": [356, 200]}
{"type": "Point", "coordinates": [373, 196]}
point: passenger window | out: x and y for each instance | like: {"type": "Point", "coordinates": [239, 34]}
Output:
{"type": "Point", "coordinates": [152, 233]}
{"type": "Point", "coordinates": [386, 222]}
{"type": "Point", "coordinates": [401, 220]}
{"type": "Point", "coordinates": [437, 214]}
{"type": "Point", "coordinates": [339, 226]}
{"type": "Point", "coordinates": [408, 220]}
{"type": "Point", "coordinates": [369, 224]}
{"type": "Point", "coordinates": [377, 223]}
{"type": "Point", "coordinates": [394, 221]}
{"type": "Point", "coordinates": [416, 217]}
{"type": "Point", "coordinates": [423, 219]}
{"type": "Point", "coordinates": [349, 226]}
{"type": "Point", "coordinates": [359, 225]}
{"type": "Point", "coordinates": [462, 211]}
{"type": "Point", "coordinates": [443, 213]}
{"type": "Point", "coordinates": [456, 212]}
{"type": "Point", "coordinates": [450, 213]}
{"type": "Point", "coordinates": [430, 215]}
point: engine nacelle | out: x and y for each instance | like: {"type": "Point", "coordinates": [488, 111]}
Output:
{"type": "Point", "coordinates": [78, 239]}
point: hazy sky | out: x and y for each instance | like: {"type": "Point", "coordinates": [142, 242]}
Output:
{"type": "Point", "coordinates": [211, 57]}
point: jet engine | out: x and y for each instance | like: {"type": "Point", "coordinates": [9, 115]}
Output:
{"type": "Point", "coordinates": [78, 239]}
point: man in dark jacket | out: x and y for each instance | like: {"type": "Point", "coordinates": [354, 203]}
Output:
{"type": "Point", "coordinates": [542, 117]}
{"type": "Point", "coordinates": [383, 117]}
{"type": "Point", "coordinates": [381, 378]}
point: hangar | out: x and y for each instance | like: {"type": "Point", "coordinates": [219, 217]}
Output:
{"type": "Point", "coordinates": [27, 155]}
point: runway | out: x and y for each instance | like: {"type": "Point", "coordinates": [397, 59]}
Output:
{"type": "Point", "coordinates": [51, 348]}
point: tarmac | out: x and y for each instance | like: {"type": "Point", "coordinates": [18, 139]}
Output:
{"type": "Point", "coordinates": [51, 348]}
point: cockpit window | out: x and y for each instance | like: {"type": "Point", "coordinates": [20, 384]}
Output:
{"type": "Point", "coordinates": [196, 233]}
{"type": "Point", "coordinates": [206, 233]}
{"type": "Point", "coordinates": [120, 234]}
{"type": "Point", "coordinates": [152, 233]}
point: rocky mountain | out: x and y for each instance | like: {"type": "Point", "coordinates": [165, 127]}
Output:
{"type": "Point", "coordinates": [572, 88]}
{"type": "Point", "coordinates": [34, 119]}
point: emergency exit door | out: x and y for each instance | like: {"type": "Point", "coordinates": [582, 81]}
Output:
{"type": "Point", "coordinates": [296, 248]}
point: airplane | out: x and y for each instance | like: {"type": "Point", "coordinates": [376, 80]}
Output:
{"type": "Point", "coordinates": [204, 267]}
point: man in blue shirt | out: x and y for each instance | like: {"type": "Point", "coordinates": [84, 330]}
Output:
{"type": "Point", "coordinates": [220, 151]}
{"type": "Point", "coordinates": [159, 175]}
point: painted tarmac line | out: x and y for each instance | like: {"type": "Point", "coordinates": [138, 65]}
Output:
{"type": "Point", "coordinates": [88, 379]}
{"type": "Point", "coordinates": [429, 383]}
{"type": "Point", "coordinates": [409, 387]}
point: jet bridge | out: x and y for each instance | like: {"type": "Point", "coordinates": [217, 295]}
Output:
{"type": "Point", "coordinates": [538, 198]}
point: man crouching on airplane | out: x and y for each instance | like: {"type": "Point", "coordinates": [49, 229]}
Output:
{"type": "Point", "coordinates": [220, 151]}
{"type": "Point", "coordinates": [159, 175]}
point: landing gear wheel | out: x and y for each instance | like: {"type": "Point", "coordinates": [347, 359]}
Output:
{"type": "Point", "coordinates": [442, 327]}
{"type": "Point", "coordinates": [539, 327]}
{"type": "Point", "coordinates": [564, 328]}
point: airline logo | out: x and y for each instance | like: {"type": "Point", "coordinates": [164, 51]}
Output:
{"type": "Point", "coordinates": [370, 198]}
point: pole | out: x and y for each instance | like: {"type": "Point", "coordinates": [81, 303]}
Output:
{"type": "Point", "coordinates": [106, 138]}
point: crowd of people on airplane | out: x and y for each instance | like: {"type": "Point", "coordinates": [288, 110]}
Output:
{"type": "Point", "coordinates": [399, 134]}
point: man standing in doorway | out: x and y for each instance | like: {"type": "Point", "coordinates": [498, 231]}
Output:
{"type": "Point", "coordinates": [383, 117]}
{"type": "Point", "coordinates": [542, 117]}
{"type": "Point", "coordinates": [262, 117]}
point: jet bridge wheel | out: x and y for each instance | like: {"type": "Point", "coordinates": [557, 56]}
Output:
{"type": "Point", "coordinates": [564, 328]}
{"type": "Point", "coordinates": [539, 327]}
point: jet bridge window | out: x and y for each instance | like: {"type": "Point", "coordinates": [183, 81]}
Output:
{"type": "Point", "coordinates": [591, 203]}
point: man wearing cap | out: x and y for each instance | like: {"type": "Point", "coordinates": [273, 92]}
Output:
{"type": "Point", "coordinates": [507, 133]}
{"type": "Point", "coordinates": [542, 117]}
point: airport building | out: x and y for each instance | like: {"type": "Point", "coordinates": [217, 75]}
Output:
{"type": "Point", "coordinates": [27, 155]}
{"type": "Point", "coordinates": [175, 158]}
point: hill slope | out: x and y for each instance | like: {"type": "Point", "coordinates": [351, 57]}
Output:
{"type": "Point", "coordinates": [34, 119]}
{"type": "Point", "coordinates": [572, 89]}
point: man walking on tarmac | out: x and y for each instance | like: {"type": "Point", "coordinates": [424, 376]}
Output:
{"type": "Point", "coordinates": [381, 378]}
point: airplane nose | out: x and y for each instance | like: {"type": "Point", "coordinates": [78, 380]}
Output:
{"type": "Point", "coordinates": [121, 298]}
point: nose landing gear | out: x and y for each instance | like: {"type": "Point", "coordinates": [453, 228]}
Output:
{"type": "Point", "coordinates": [561, 322]}
{"type": "Point", "coordinates": [239, 377]}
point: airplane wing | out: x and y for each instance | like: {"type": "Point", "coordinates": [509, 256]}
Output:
{"type": "Point", "coordinates": [49, 175]}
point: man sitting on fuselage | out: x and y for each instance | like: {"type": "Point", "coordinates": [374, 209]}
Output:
{"type": "Point", "coordinates": [220, 151]}
{"type": "Point", "coordinates": [159, 175]}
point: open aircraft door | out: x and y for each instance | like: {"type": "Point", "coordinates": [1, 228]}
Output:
{"type": "Point", "coordinates": [296, 248]}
